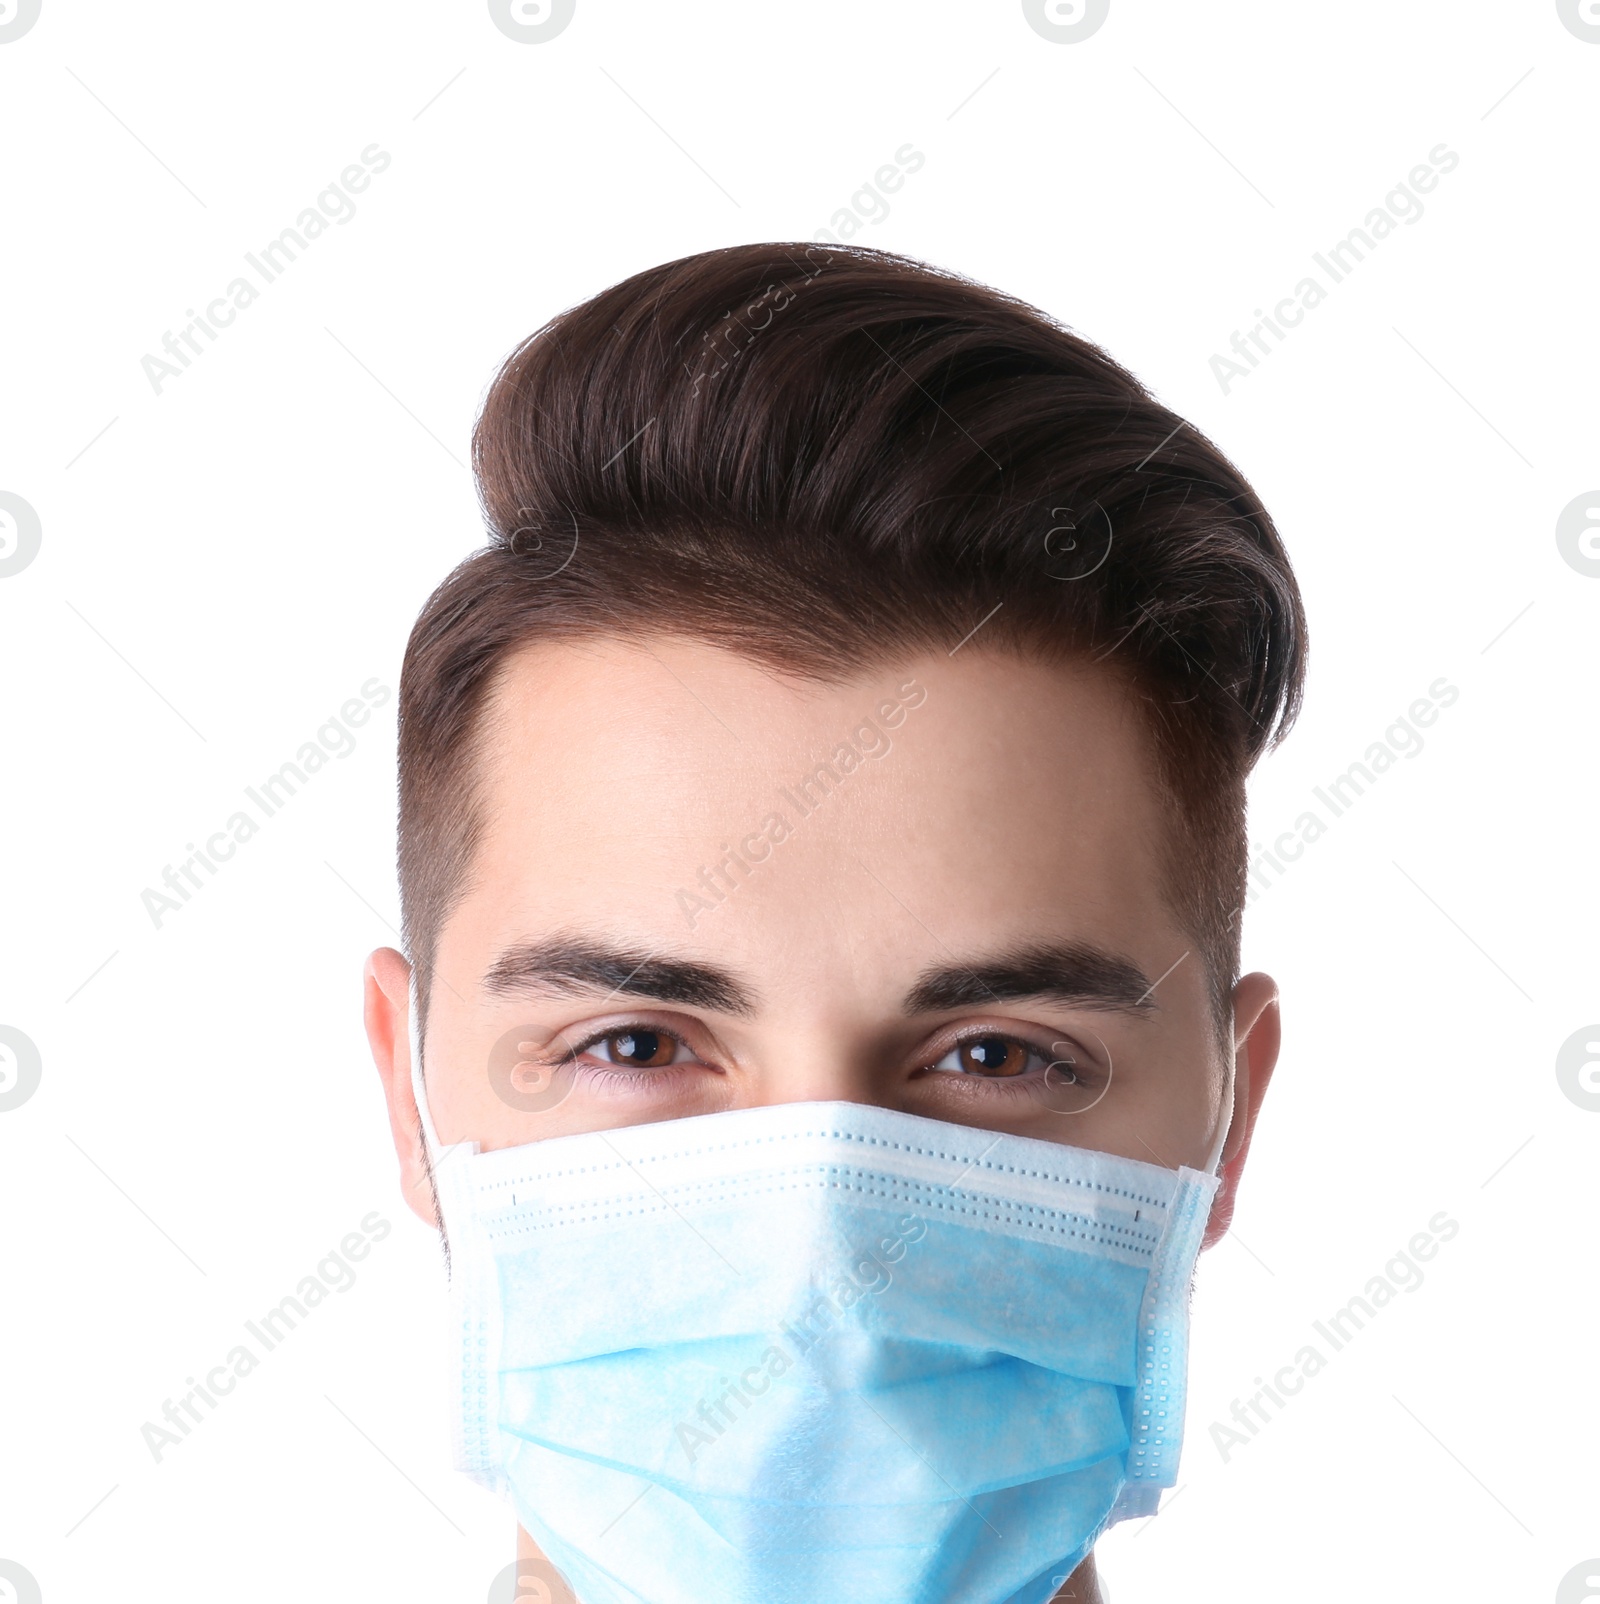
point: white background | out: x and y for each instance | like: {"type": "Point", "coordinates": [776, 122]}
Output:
{"type": "Point", "coordinates": [225, 563]}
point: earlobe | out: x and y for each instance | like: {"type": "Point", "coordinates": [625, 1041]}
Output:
{"type": "Point", "coordinates": [1258, 1032]}
{"type": "Point", "coordinates": [387, 1013]}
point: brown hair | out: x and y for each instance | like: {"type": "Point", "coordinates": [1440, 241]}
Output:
{"type": "Point", "coordinates": [825, 457]}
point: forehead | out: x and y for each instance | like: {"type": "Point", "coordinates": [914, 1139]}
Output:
{"type": "Point", "coordinates": [677, 795]}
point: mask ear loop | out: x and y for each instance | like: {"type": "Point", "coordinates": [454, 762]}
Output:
{"type": "Point", "coordinates": [435, 1156]}
{"type": "Point", "coordinates": [419, 1091]}
{"type": "Point", "coordinates": [473, 1435]}
{"type": "Point", "coordinates": [1214, 1167]}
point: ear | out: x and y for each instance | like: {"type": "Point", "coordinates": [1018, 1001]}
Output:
{"type": "Point", "coordinates": [387, 1011]}
{"type": "Point", "coordinates": [1257, 1032]}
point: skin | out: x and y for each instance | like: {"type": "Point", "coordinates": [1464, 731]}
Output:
{"type": "Point", "coordinates": [1011, 807]}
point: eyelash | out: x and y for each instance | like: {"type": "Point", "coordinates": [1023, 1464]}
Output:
{"type": "Point", "coordinates": [610, 1078]}
{"type": "Point", "coordinates": [1031, 1084]}
{"type": "Point", "coordinates": [613, 1077]}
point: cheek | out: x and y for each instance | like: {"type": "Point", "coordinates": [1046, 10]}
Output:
{"type": "Point", "coordinates": [1171, 1121]}
{"type": "Point", "coordinates": [1168, 1098]}
{"type": "Point", "coordinates": [462, 1092]}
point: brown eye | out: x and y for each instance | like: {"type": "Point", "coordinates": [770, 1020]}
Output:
{"type": "Point", "coordinates": [641, 1049]}
{"type": "Point", "coordinates": [995, 1056]}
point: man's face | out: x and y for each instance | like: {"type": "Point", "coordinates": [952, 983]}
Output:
{"type": "Point", "coordinates": [701, 887]}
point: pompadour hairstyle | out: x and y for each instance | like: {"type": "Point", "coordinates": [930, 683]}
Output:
{"type": "Point", "coordinates": [826, 458]}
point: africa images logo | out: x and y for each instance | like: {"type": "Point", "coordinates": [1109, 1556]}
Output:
{"type": "Point", "coordinates": [20, 534]}
{"type": "Point", "coordinates": [1066, 22]}
{"type": "Point", "coordinates": [532, 22]}
{"type": "Point", "coordinates": [16, 18]}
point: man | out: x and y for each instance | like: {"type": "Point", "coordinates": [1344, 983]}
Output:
{"type": "Point", "coordinates": [821, 850]}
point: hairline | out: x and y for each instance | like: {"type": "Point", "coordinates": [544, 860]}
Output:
{"type": "Point", "coordinates": [477, 740]}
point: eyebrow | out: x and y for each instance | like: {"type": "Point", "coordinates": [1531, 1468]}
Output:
{"type": "Point", "coordinates": [1072, 972]}
{"type": "Point", "coordinates": [564, 965]}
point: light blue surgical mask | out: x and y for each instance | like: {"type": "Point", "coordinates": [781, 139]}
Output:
{"type": "Point", "coordinates": [818, 1353]}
